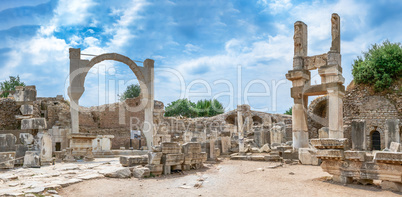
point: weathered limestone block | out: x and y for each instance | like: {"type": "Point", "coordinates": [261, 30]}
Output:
{"type": "Point", "coordinates": [395, 147]}
{"type": "Point", "coordinates": [265, 149]}
{"type": "Point", "coordinates": [20, 153]}
{"type": "Point", "coordinates": [154, 157]}
{"type": "Point", "coordinates": [171, 148]}
{"type": "Point", "coordinates": [26, 138]}
{"type": "Point", "coordinates": [330, 154]}
{"type": "Point", "coordinates": [117, 173]}
{"type": "Point", "coordinates": [323, 132]}
{"type": "Point", "coordinates": [25, 94]}
{"type": "Point", "coordinates": [157, 148]}
{"type": "Point", "coordinates": [308, 156]}
{"type": "Point", "coordinates": [155, 169]}
{"type": "Point", "coordinates": [199, 158]}
{"type": "Point", "coordinates": [128, 161]}
{"type": "Point", "coordinates": [278, 133]}
{"type": "Point", "coordinates": [188, 157]}
{"type": "Point", "coordinates": [7, 142]}
{"type": "Point", "coordinates": [26, 110]}
{"type": "Point", "coordinates": [290, 154]}
{"type": "Point", "coordinates": [32, 159]}
{"type": "Point", "coordinates": [7, 160]}
{"type": "Point", "coordinates": [226, 144]}
{"type": "Point", "coordinates": [329, 143]}
{"type": "Point", "coordinates": [388, 157]}
{"type": "Point", "coordinates": [33, 123]}
{"type": "Point", "coordinates": [355, 155]}
{"type": "Point", "coordinates": [393, 186]}
{"type": "Point", "coordinates": [217, 152]}
{"type": "Point", "coordinates": [191, 147]}
{"type": "Point", "coordinates": [141, 172]}
{"type": "Point", "coordinates": [46, 149]}
{"type": "Point", "coordinates": [172, 159]}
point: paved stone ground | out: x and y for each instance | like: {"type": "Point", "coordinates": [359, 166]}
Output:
{"type": "Point", "coordinates": [21, 181]}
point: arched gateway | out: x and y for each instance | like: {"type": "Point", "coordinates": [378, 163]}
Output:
{"type": "Point", "coordinates": [79, 69]}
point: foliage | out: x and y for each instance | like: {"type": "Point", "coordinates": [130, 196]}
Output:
{"type": "Point", "coordinates": [289, 112]}
{"type": "Point", "coordinates": [132, 91]}
{"type": "Point", "coordinates": [380, 66]}
{"type": "Point", "coordinates": [209, 108]}
{"type": "Point", "coordinates": [10, 85]}
{"type": "Point", "coordinates": [186, 108]}
{"type": "Point", "coordinates": [181, 107]}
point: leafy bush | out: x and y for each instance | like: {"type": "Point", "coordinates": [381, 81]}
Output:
{"type": "Point", "coordinates": [186, 108]}
{"type": "Point", "coordinates": [7, 86]}
{"type": "Point", "coordinates": [380, 66]}
{"type": "Point", "coordinates": [132, 91]}
{"type": "Point", "coordinates": [181, 107]}
{"type": "Point", "coordinates": [289, 112]}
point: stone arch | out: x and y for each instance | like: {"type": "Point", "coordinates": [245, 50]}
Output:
{"type": "Point", "coordinates": [79, 69]}
{"type": "Point", "coordinates": [257, 120]}
{"type": "Point", "coordinates": [120, 58]}
{"type": "Point", "coordinates": [369, 137]}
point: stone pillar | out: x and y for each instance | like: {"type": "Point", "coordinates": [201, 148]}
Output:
{"type": "Point", "coordinates": [212, 140]}
{"type": "Point", "coordinates": [148, 97]}
{"type": "Point", "coordinates": [240, 129]}
{"type": "Point", "coordinates": [46, 148]}
{"type": "Point", "coordinates": [336, 33]}
{"type": "Point", "coordinates": [335, 115]}
{"type": "Point", "coordinates": [226, 144]}
{"type": "Point", "coordinates": [76, 88]}
{"type": "Point", "coordinates": [299, 127]}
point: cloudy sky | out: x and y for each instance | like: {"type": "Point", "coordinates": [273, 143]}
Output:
{"type": "Point", "coordinates": [235, 51]}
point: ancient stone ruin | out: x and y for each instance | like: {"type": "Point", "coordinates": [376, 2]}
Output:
{"type": "Point", "coordinates": [353, 135]}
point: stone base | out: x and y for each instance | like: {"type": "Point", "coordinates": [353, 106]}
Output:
{"type": "Point", "coordinates": [167, 169]}
{"type": "Point", "coordinates": [31, 159]}
{"type": "Point", "coordinates": [393, 186]}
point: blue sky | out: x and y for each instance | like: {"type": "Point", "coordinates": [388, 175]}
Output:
{"type": "Point", "coordinates": [217, 48]}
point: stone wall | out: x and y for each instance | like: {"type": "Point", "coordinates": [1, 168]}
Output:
{"type": "Point", "coordinates": [380, 112]}
{"type": "Point", "coordinates": [8, 111]}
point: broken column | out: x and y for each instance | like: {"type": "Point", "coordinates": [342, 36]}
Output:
{"type": "Point", "coordinates": [46, 149]}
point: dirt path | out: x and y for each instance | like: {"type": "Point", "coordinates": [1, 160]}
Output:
{"type": "Point", "coordinates": [229, 178]}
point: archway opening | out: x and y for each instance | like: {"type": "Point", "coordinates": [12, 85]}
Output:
{"type": "Point", "coordinates": [257, 120]}
{"type": "Point", "coordinates": [376, 140]}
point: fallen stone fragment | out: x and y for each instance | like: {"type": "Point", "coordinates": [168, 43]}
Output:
{"type": "Point", "coordinates": [117, 173]}
{"type": "Point", "coordinates": [141, 172]}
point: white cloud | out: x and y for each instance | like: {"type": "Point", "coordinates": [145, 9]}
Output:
{"type": "Point", "coordinates": [190, 48]}
{"type": "Point", "coordinates": [276, 6]}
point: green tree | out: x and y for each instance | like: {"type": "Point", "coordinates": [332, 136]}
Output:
{"type": "Point", "coordinates": [289, 112]}
{"type": "Point", "coordinates": [132, 91]}
{"type": "Point", "coordinates": [181, 107]}
{"type": "Point", "coordinates": [203, 108]}
{"type": "Point", "coordinates": [208, 108]}
{"type": "Point", "coordinates": [7, 86]}
{"type": "Point", "coordinates": [380, 66]}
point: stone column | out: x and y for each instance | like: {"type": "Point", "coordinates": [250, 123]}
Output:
{"type": "Point", "coordinates": [336, 33]}
{"type": "Point", "coordinates": [212, 140]}
{"type": "Point", "coordinates": [335, 115]}
{"type": "Point", "coordinates": [148, 96]}
{"type": "Point", "coordinates": [299, 126]}
{"type": "Point", "coordinates": [76, 88]}
{"type": "Point", "coordinates": [240, 129]}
